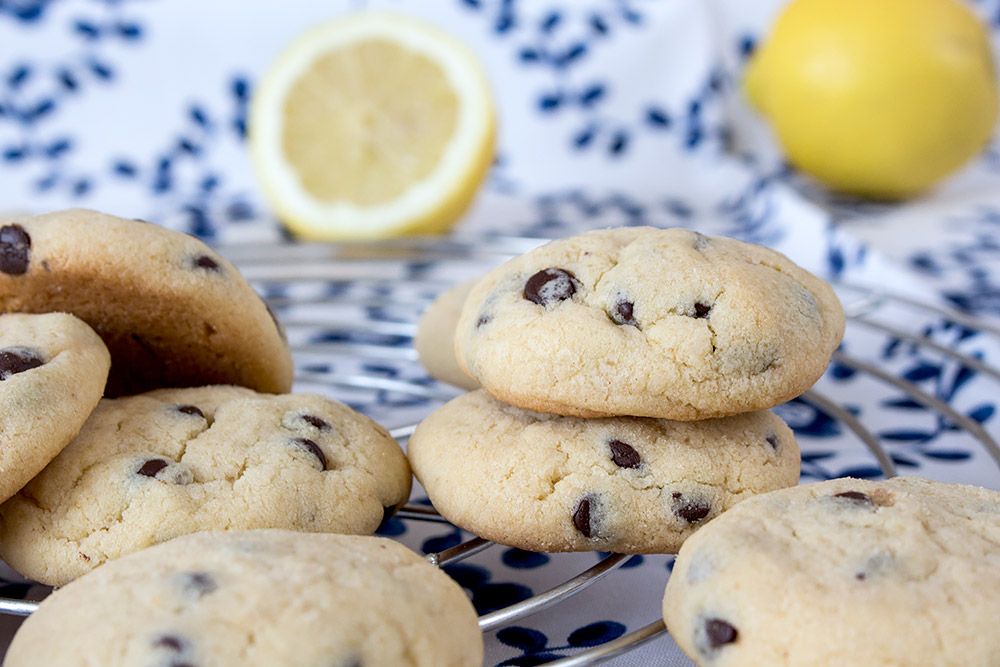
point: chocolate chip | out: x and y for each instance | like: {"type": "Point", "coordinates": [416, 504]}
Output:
{"type": "Point", "coordinates": [550, 286]}
{"type": "Point", "coordinates": [624, 455]}
{"type": "Point", "coordinates": [856, 497]}
{"type": "Point", "coordinates": [14, 246]}
{"type": "Point", "coordinates": [773, 441]}
{"type": "Point", "coordinates": [622, 313]}
{"type": "Point", "coordinates": [321, 424]}
{"type": "Point", "coordinates": [207, 263]}
{"type": "Point", "coordinates": [189, 410]}
{"type": "Point", "coordinates": [199, 583]}
{"type": "Point", "coordinates": [153, 466]}
{"type": "Point", "coordinates": [312, 448]}
{"type": "Point", "coordinates": [691, 510]}
{"type": "Point", "coordinates": [701, 310]}
{"type": "Point", "coordinates": [582, 518]}
{"type": "Point", "coordinates": [170, 642]}
{"type": "Point", "coordinates": [15, 360]}
{"type": "Point", "coordinates": [719, 633]}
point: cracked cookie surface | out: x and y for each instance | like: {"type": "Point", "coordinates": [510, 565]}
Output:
{"type": "Point", "coordinates": [172, 311]}
{"type": "Point", "coordinates": [257, 598]}
{"type": "Point", "coordinates": [52, 373]}
{"type": "Point", "coordinates": [147, 468]}
{"type": "Point", "coordinates": [844, 572]}
{"type": "Point", "coordinates": [648, 322]}
{"type": "Point", "coordinates": [624, 484]}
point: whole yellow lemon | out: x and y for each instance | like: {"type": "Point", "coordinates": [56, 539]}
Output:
{"type": "Point", "coordinates": [879, 98]}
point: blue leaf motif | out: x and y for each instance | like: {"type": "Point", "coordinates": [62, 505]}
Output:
{"type": "Point", "coordinates": [550, 101]}
{"type": "Point", "coordinates": [491, 597]}
{"type": "Point", "coordinates": [583, 139]}
{"type": "Point", "coordinates": [815, 456]}
{"type": "Point", "coordinates": [592, 94]}
{"type": "Point", "coordinates": [618, 143]}
{"type": "Point", "coordinates": [571, 54]}
{"type": "Point", "coordinates": [903, 404]}
{"type": "Point", "coordinates": [947, 455]}
{"type": "Point", "coordinates": [524, 560]}
{"type": "Point", "coordinates": [864, 472]}
{"type": "Point", "coordinates": [596, 634]}
{"type": "Point", "coordinates": [525, 639]}
{"type": "Point", "coordinates": [530, 660]}
{"type": "Point", "coordinates": [529, 55]}
{"type": "Point", "coordinates": [922, 372]}
{"type": "Point", "coordinates": [982, 412]}
{"type": "Point", "coordinates": [904, 435]}
{"type": "Point", "coordinates": [391, 528]}
{"type": "Point", "coordinates": [436, 544]}
{"type": "Point", "coordinates": [904, 461]}
{"type": "Point", "coordinates": [841, 372]}
{"type": "Point", "coordinates": [550, 21]}
{"type": "Point", "coordinates": [468, 576]}
{"type": "Point", "coordinates": [657, 117]}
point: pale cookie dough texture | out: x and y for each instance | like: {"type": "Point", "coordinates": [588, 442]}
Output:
{"type": "Point", "coordinates": [172, 312]}
{"type": "Point", "coordinates": [264, 598]}
{"type": "Point", "coordinates": [148, 468]}
{"type": "Point", "coordinates": [52, 373]}
{"type": "Point", "coordinates": [648, 322]}
{"type": "Point", "coordinates": [629, 485]}
{"type": "Point", "coordinates": [435, 339]}
{"type": "Point", "coordinates": [845, 572]}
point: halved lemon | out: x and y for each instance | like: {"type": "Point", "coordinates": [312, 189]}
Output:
{"type": "Point", "coordinates": [370, 126]}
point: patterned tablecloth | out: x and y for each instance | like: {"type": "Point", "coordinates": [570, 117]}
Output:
{"type": "Point", "coordinates": [612, 112]}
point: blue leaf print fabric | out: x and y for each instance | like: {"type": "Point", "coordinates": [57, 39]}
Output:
{"type": "Point", "coordinates": [611, 112]}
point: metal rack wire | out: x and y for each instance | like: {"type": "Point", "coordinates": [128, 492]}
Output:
{"type": "Point", "coordinates": [323, 288]}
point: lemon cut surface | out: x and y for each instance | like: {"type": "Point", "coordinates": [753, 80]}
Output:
{"type": "Point", "coordinates": [371, 126]}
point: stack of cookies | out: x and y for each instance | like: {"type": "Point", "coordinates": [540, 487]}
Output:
{"type": "Point", "coordinates": [180, 346]}
{"type": "Point", "coordinates": [626, 376]}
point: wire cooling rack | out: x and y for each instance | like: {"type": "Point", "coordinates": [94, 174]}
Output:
{"type": "Point", "coordinates": [351, 311]}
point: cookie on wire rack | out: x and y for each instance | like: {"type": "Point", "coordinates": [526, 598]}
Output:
{"type": "Point", "coordinates": [148, 468]}
{"type": "Point", "coordinates": [257, 599]}
{"type": "Point", "coordinates": [543, 482]}
{"type": "Point", "coordinates": [663, 323]}
{"type": "Point", "coordinates": [172, 312]}
{"type": "Point", "coordinates": [843, 572]}
{"type": "Point", "coordinates": [52, 373]}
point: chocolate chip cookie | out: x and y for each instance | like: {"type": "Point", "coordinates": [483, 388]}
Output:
{"type": "Point", "coordinates": [648, 322]}
{"type": "Point", "coordinates": [52, 373]}
{"type": "Point", "coordinates": [844, 572]}
{"type": "Point", "coordinates": [147, 468]}
{"type": "Point", "coordinates": [172, 312]}
{"type": "Point", "coordinates": [629, 485]}
{"type": "Point", "coordinates": [435, 339]}
{"type": "Point", "coordinates": [257, 598]}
